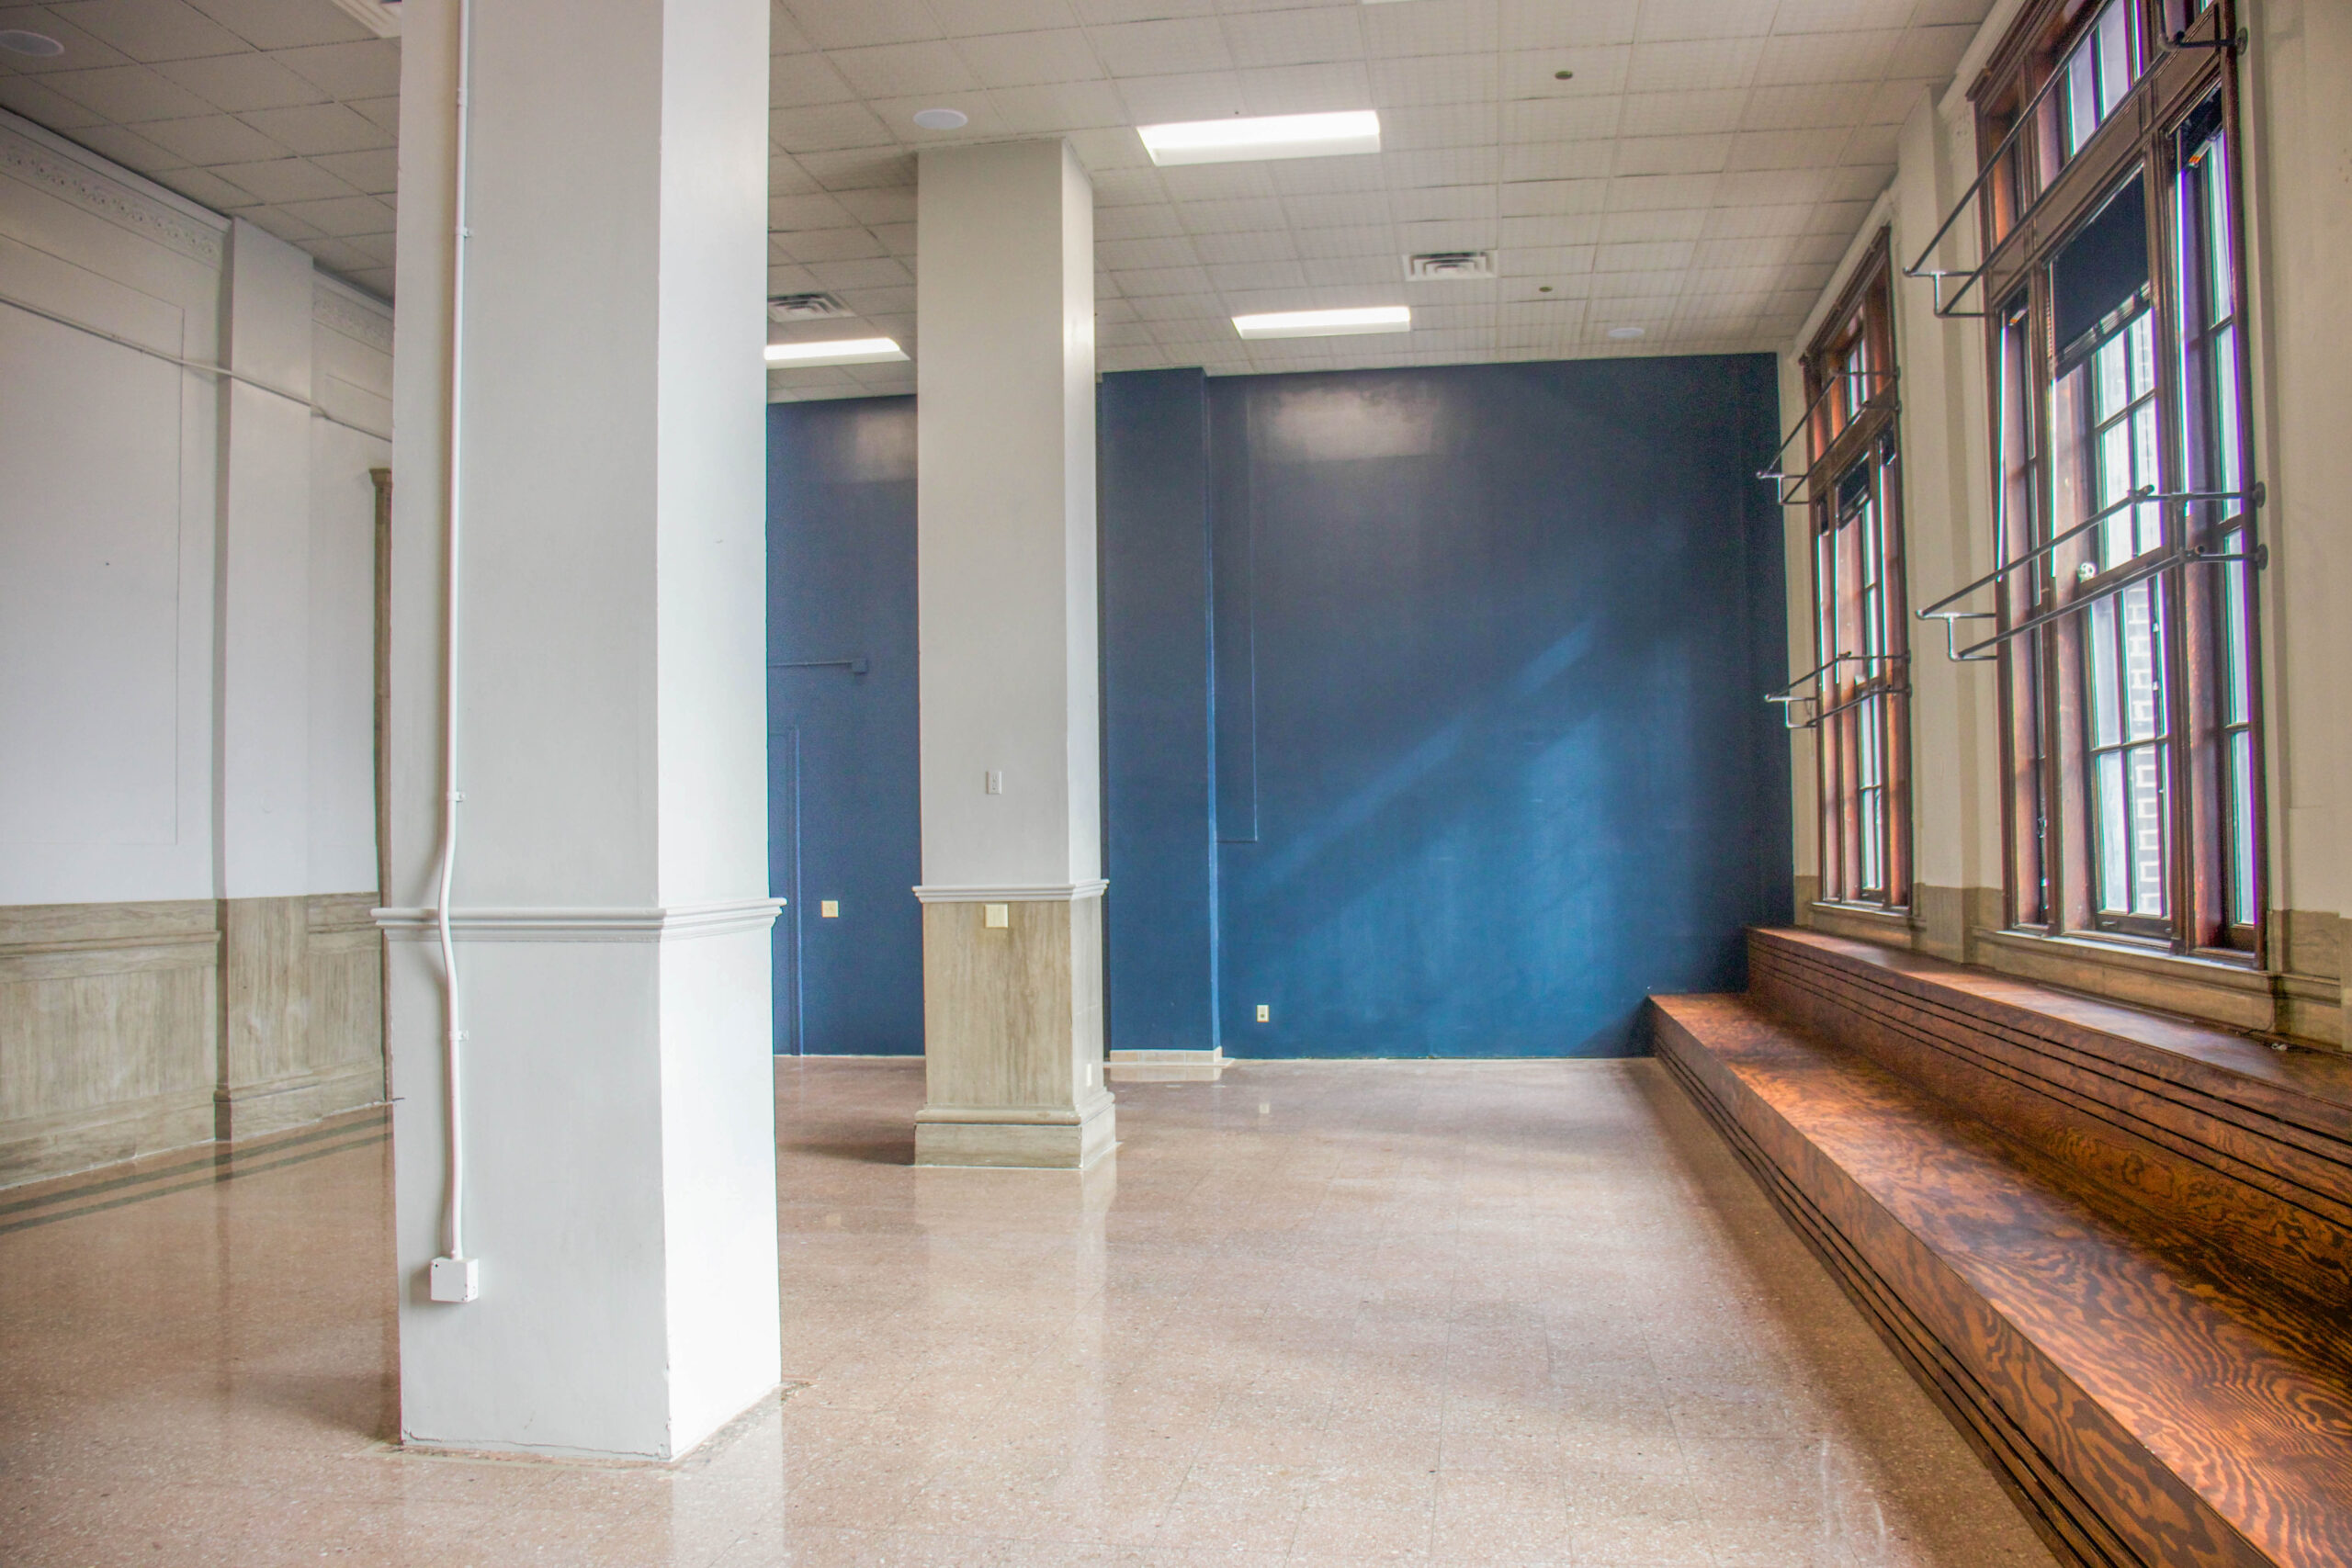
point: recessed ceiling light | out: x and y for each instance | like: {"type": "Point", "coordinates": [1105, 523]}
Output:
{"type": "Point", "coordinates": [942, 119]}
{"type": "Point", "coordinates": [840, 350]}
{"type": "Point", "coordinates": [41, 46]}
{"type": "Point", "coordinates": [1268, 136]}
{"type": "Point", "coordinates": [1326, 323]}
{"type": "Point", "coordinates": [1627, 334]}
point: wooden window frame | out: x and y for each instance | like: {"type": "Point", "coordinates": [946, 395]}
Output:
{"type": "Point", "coordinates": [2033, 205]}
{"type": "Point", "coordinates": [1864, 711]}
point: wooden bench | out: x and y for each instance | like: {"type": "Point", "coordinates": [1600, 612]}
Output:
{"type": "Point", "coordinates": [2117, 1247]}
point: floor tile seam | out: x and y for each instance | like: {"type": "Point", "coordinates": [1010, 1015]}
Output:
{"type": "Point", "coordinates": [215, 1179]}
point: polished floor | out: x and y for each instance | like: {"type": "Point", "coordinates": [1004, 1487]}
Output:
{"type": "Point", "coordinates": [1343, 1314]}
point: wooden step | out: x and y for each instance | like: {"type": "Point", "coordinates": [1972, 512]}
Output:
{"type": "Point", "coordinates": [2241, 1151]}
{"type": "Point", "coordinates": [2142, 1413]}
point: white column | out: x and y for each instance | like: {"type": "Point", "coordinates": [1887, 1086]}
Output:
{"type": "Point", "coordinates": [610, 900]}
{"type": "Point", "coordinates": [1011, 836]}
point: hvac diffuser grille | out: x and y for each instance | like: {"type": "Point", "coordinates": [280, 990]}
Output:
{"type": "Point", "coordinates": [1432, 266]}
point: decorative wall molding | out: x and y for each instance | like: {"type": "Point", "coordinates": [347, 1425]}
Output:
{"type": "Point", "coordinates": [337, 309]}
{"type": "Point", "coordinates": [1010, 893]}
{"type": "Point", "coordinates": [50, 170]}
{"type": "Point", "coordinates": [677, 922]}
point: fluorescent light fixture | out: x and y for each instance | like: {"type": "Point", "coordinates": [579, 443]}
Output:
{"type": "Point", "coordinates": [840, 350]}
{"type": "Point", "coordinates": [1270, 136]}
{"type": "Point", "coordinates": [1326, 323]}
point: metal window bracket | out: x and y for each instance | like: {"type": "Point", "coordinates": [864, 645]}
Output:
{"type": "Point", "coordinates": [854, 666]}
{"type": "Point", "coordinates": [1972, 276]}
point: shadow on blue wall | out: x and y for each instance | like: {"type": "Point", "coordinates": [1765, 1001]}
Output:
{"type": "Point", "coordinates": [1431, 699]}
{"type": "Point", "coordinates": [843, 798]}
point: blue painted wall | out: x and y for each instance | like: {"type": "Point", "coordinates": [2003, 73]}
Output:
{"type": "Point", "coordinates": [1493, 725]}
{"type": "Point", "coordinates": [844, 804]}
{"type": "Point", "coordinates": [1431, 706]}
{"type": "Point", "coordinates": [1159, 848]}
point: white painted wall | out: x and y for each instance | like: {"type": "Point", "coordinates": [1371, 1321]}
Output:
{"type": "Point", "coordinates": [2298, 124]}
{"type": "Point", "coordinates": [181, 562]}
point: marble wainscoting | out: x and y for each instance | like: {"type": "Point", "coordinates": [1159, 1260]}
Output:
{"type": "Point", "coordinates": [130, 1028]}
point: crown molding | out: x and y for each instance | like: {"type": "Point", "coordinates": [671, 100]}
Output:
{"type": "Point", "coordinates": [52, 164]}
{"type": "Point", "coordinates": [341, 308]}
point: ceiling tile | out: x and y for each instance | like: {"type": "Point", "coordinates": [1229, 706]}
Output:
{"type": "Point", "coordinates": [961, 18]}
{"type": "Point", "coordinates": [1701, 66]}
{"type": "Point", "coordinates": [1180, 44]}
{"type": "Point", "coordinates": [237, 82]}
{"type": "Point", "coordinates": [1437, 202]}
{"type": "Point", "coordinates": [862, 272]}
{"type": "Point", "coordinates": [1253, 246]}
{"type": "Point", "coordinates": [1672, 154]}
{"type": "Point", "coordinates": [1536, 73]}
{"type": "Point", "coordinates": [126, 94]}
{"type": "Point", "coordinates": [376, 170]}
{"type": "Point", "coordinates": [1162, 251]}
{"type": "Point", "coordinates": [1560, 119]}
{"type": "Point", "coordinates": [1430, 27]}
{"type": "Point", "coordinates": [318, 128]}
{"type": "Point", "coordinates": [1536, 199]}
{"type": "Point", "coordinates": [795, 81]}
{"type": "Point", "coordinates": [1550, 24]}
{"type": "Point", "coordinates": [1660, 223]}
{"type": "Point", "coordinates": [1433, 79]}
{"type": "Point", "coordinates": [1134, 222]}
{"type": "Point", "coordinates": [1298, 37]}
{"type": "Point", "coordinates": [1305, 89]}
{"type": "Point", "coordinates": [1369, 239]}
{"type": "Point", "coordinates": [1178, 97]}
{"type": "Point", "coordinates": [213, 138]}
{"type": "Point", "coordinates": [1787, 149]}
{"type": "Point", "coordinates": [1685, 114]}
{"type": "Point", "coordinates": [28, 96]}
{"type": "Point", "coordinates": [900, 70]}
{"type": "Point", "coordinates": [1060, 107]}
{"type": "Point", "coordinates": [342, 215]}
{"type": "Point", "coordinates": [1669, 20]}
{"type": "Point", "coordinates": [849, 24]}
{"type": "Point", "coordinates": [1217, 182]}
{"type": "Point", "coordinates": [1825, 57]}
{"type": "Point", "coordinates": [1025, 60]}
{"type": "Point", "coordinates": [152, 30]}
{"type": "Point", "coordinates": [285, 179]}
{"type": "Point", "coordinates": [370, 68]}
{"type": "Point", "coordinates": [822, 127]}
{"type": "Point", "coordinates": [786, 213]}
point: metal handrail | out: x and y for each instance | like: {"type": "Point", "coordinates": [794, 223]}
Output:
{"type": "Point", "coordinates": [1788, 698]}
{"type": "Point", "coordinates": [2180, 554]}
{"type": "Point", "coordinates": [2146, 495]}
{"type": "Point", "coordinates": [2178, 43]}
{"type": "Point", "coordinates": [1775, 474]}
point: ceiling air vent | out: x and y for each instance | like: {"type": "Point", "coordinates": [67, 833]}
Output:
{"type": "Point", "coordinates": [806, 308]}
{"type": "Point", "coordinates": [1436, 266]}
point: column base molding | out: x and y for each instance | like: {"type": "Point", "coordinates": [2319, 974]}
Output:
{"type": "Point", "coordinates": [1017, 1136]}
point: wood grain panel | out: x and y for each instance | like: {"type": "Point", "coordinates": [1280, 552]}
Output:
{"type": "Point", "coordinates": [2239, 1158]}
{"type": "Point", "coordinates": [2140, 1412]}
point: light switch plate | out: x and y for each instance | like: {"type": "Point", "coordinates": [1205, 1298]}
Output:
{"type": "Point", "coordinates": [829, 910]}
{"type": "Point", "coordinates": [997, 917]}
{"type": "Point", "coordinates": [1265, 1013]}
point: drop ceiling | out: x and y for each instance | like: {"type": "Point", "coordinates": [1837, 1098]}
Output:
{"type": "Point", "coordinates": [1696, 174]}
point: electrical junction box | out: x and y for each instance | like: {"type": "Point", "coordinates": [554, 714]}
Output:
{"type": "Point", "coordinates": [456, 1281]}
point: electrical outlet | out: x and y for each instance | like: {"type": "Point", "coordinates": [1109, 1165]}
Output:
{"type": "Point", "coordinates": [1265, 1013]}
{"type": "Point", "coordinates": [992, 782]}
{"type": "Point", "coordinates": [996, 916]}
{"type": "Point", "coordinates": [829, 910]}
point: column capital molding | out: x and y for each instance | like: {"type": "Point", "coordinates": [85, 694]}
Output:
{"type": "Point", "coordinates": [587, 923]}
{"type": "Point", "coordinates": [1010, 893]}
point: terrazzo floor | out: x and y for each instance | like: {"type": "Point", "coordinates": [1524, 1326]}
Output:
{"type": "Point", "coordinates": [1315, 1314]}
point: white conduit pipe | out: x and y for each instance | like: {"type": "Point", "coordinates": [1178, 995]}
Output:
{"type": "Point", "coordinates": [460, 1288]}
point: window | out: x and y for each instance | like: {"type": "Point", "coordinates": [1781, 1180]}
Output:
{"type": "Point", "coordinates": [2124, 490]}
{"type": "Point", "coordinates": [1852, 490]}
